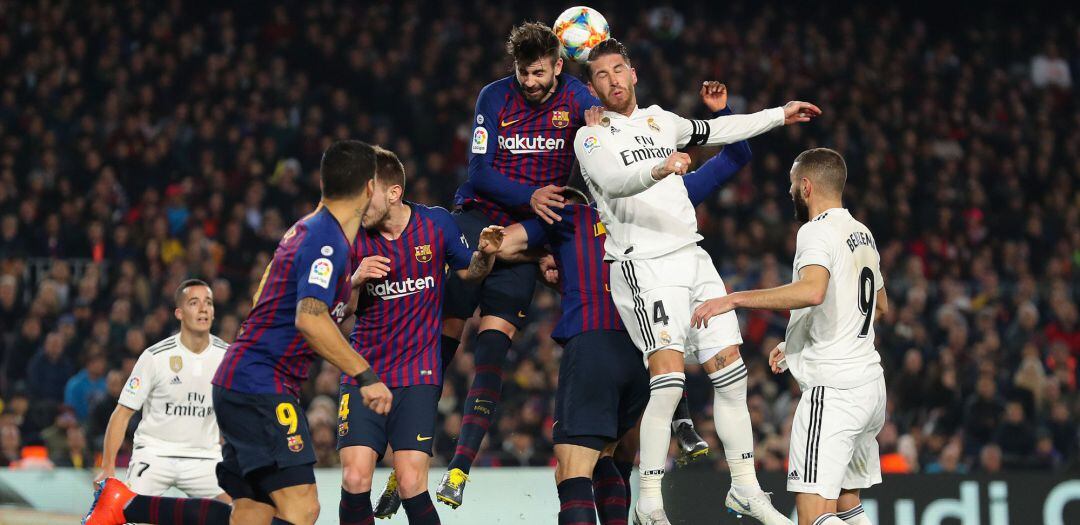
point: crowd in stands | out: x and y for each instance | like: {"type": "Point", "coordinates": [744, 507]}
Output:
{"type": "Point", "coordinates": [143, 143]}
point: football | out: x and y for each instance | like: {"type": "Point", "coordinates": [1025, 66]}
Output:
{"type": "Point", "coordinates": [579, 29]}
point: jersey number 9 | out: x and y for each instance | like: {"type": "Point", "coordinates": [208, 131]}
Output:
{"type": "Point", "coordinates": [286, 416]}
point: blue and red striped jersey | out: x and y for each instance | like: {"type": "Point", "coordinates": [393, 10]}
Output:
{"type": "Point", "coordinates": [399, 317]}
{"type": "Point", "coordinates": [270, 356]}
{"type": "Point", "coordinates": [577, 242]}
{"type": "Point", "coordinates": [518, 147]}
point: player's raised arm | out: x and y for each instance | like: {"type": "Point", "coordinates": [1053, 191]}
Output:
{"type": "Point", "coordinates": [721, 167]}
{"type": "Point", "coordinates": [602, 166]}
{"type": "Point", "coordinates": [732, 128]}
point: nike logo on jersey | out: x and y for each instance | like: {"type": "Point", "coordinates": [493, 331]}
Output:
{"type": "Point", "coordinates": [505, 123]}
{"type": "Point", "coordinates": [419, 438]}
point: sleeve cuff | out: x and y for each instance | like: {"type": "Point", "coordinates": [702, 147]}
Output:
{"type": "Point", "coordinates": [813, 258]}
{"type": "Point", "coordinates": [128, 404]}
{"type": "Point", "coordinates": [777, 114]}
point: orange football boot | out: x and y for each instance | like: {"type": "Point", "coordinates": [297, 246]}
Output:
{"type": "Point", "coordinates": [110, 498]}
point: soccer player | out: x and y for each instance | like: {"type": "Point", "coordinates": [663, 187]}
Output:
{"type": "Point", "coordinates": [305, 292]}
{"type": "Point", "coordinates": [177, 443]}
{"type": "Point", "coordinates": [659, 273]}
{"type": "Point", "coordinates": [404, 249]}
{"type": "Point", "coordinates": [521, 157]}
{"type": "Point", "coordinates": [836, 292]}
{"type": "Point", "coordinates": [602, 386]}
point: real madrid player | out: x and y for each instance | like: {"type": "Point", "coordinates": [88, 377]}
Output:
{"type": "Point", "coordinates": [836, 292]}
{"type": "Point", "coordinates": [177, 443]}
{"type": "Point", "coordinates": [659, 274]}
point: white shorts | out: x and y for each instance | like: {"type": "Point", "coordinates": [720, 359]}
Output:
{"type": "Point", "coordinates": [834, 440]}
{"type": "Point", "coordinates": [151, 475]}
{"type": "Point", "coordinates": [657, 297]}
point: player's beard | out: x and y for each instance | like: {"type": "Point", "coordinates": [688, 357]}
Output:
{"type": "Point", "coordinates": [622, 104]}
{"type": "Point", "coordinates": [542, 91]}
{"type": "Point", "coordinates": [373, 218]}
{"type": "Point", "coordinates": [802, 209]}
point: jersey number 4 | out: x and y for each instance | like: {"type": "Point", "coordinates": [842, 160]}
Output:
{"type": "Point", "coordinates": [866, 299]}
{"type": "Point", "coordinates": [659, 315]}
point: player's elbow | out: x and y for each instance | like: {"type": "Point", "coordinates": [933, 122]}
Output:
{"type": "Point", "coordinates": [815, 296]}
{"type": "Point", "coordinates": [305, 323]}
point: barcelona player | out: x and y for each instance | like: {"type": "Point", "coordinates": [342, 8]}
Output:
{"type": "Point", "coordinates": [305, 292]}
{"type": "Point", "coordinates": [404, 248]}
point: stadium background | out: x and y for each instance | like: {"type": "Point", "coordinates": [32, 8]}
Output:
{"type": "Point", "coordinates": [147, 142]}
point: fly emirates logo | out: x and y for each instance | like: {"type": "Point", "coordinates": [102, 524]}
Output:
{"type": "Point", "coordinates": [396, 289]}
{"type": "Point", "coordinates": [518, 144]}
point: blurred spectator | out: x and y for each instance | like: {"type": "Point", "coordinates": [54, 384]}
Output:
{"type": "Point", "coordinates": [87, 384]}
{"type": "Point", "coordinates": [1049, 69]}
{"type": "Point", "coordinates": [49, 369]}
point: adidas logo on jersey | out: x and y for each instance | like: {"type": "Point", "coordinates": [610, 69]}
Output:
{"type": "Point", "coordinates": [794, 476]}
{"type": "Point", "coordinates": [175, 380]}
{"type": "Point", "coordinates": [517, 144]}
{"type": "Point", "coordinates": [394, 290]}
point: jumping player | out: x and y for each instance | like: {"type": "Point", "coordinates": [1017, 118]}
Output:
{"type": "Point", "coordinates": [404, 249]}
{"type": "Point", "coordinates": [305, 292]}
{"type": "Point", "coordinates": [660, 273]}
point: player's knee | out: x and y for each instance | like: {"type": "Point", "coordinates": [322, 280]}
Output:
{"type": "Point", "coordinates": [354, 479]}
{"type": "Point", "coordinates": [412, 480]}
{"type": "Point", "coordinates": [304, 515]}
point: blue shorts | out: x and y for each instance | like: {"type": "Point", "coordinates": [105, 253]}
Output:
{"type": "Point", "coordinates": [505, 293]}
{"type": "Point", "coordinates": [267, 444]}
{"type": "Point", "coordinates": [603, 389]}
{"type": "Point", "coordinates": [410, 425]}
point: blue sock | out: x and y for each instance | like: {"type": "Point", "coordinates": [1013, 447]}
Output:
{"type": "Point", "coordinates": [355, 509]}
{"type": "Point", "coordinates": [576, 506]}
{"type": "Point", "coordinates": [420, 510]}
{"type": "Point", "coordinates": [610, 493]}
{"type": "Point", "coordinates": [483, 397]}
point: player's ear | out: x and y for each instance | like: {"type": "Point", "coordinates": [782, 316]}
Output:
{"type": "Point", "coordinates": [633, 76]}
{"type": "Point", "coordinates": [558, 66]}
{"type": "Point", "coordinates": [177, 313]}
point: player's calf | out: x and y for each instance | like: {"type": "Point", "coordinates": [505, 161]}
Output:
{"type": "Point", "coordinates": [297, 505]}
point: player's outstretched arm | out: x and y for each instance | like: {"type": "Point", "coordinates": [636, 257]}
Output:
{"type": "Point", "coordinates": [733, 128]}
{"type": "Point", "coordinates": [321, 332]}
{"type": "Point", "coordinates": [483, 259]}
{"type": "Point", "coordinates": [114, 437]}
{"type": "Point", "coordinates": [809, 290]}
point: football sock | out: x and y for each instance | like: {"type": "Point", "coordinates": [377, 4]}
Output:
{"type": "Point", "coordinates": [609, 490]}
{"type": "Point", "coordinates": [177, 511]}
{"type": "Point", "coordinates": [355, 509]}
{"type": "Point", "coordinates": [732, 421]}
{"type": "Point", "coordinates": [483, 397]}
{"type": "Point", "coordinates": [665, 392]}
{"type": "Point", "coordinates": [576, 505]}
{"type": "Point", "coordinates": [420, 510]}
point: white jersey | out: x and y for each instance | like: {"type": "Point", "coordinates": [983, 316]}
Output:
{"type": "Point", "coordinates": [832, 344]}
{"type": "Point", "coordinates": [645, 218]}
{"type": "Point", "coordinates": [171, 385]}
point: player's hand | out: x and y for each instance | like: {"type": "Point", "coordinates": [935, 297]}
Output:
{"type": "Point", "coordinates": [714, 95]}
{"type": "Point", "coordinates": [775, 358]}
{"type": "Point", "coordinates": [105, 473]}
{"type": "Point", "coordinates": [373, 267]}
{"type": "Point", "coordinates": [491, 239]}
{"type": "Point", "coordinates": [377, 397]}
{"type": "Point", "coordinates": [796, 111]}
{"type": "Point", "coordinates": [546, 198]}
{"type": "Point", "coordinates": [710, 309]}
{"type": "Point", "coordinates": [677, 163]}
{"type": "Point", "coordinates": [549, 270]}
{"type": "Point", "coordinates": [594, 115]}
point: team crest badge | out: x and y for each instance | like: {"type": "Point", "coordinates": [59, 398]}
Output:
{"type": "Point", "coordinates": [296, 443]}
{"type": "Point", "coordinates": [653, 125]}
{"type": "Point", "coordinates": [422, 253]}
{"type": "Point", "coordinates": [343, 428]}
{"type": "Point", "coordinates": [665, 338]}
{"type": "Point", "coordinates": [560, 119]}
{"type": "Point", "coordinates": [176, 363]}
{"type": "Point", "coordinates": [605, 122]}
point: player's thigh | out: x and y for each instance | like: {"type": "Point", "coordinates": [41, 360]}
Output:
{"type": "Point", "coordinates": [411, 423]}
{"type": "Point", "coordinates": [358, 425]}
{"type": "Point", "coordinates": [149, 473]}
{"type": "Point", "coordinates": [198, 478]}
{"type": "Point", "coordinates": [823, 436]}
{"type": "Point", "coordinates": [507, 292]}
{"type": "Point", "coordinates": [411, 468]}
{"type": "Point", "coordinates": [723, 330]}
{"type": "Point", "coordinates": [864, 469]}
{"type": "Point", "coordinates": [590, 385]}
{"type": "Point", "coordinates": [656, 313]}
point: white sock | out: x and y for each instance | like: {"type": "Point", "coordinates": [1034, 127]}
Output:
{"type": "Point", "coordinates": [828, 519]}
{"type": "Point", "coordinates": [854, 516]}
{"type": "Point", "coordinates": [665, 392]}
{"type": "Point", "coordinates": [732, 420]}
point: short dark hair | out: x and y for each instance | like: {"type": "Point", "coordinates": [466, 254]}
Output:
{"type": "Point", "coordinates": [346, 167]}
{"type": "Point", "coordinates": [824, 166]}
{"type": "Point", "coordinates": [532, 41]}
{"type": "Point", "coordinates": [388, 168]}
{"type": "Point", "coordinates": [608, 47]}
{"type": "Point", "coordinates": [178, 296]}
